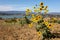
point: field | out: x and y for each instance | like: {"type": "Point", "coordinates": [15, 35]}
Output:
{"type": "Point", "coordinates": [35, 24]}
{"type": "Point", "coordinates": [14, 31]}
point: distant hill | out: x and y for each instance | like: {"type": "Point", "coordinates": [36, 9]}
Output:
{"type": "Point", "coordinates": [19, 14]}
{"type": "Point", "coordinates": [12, 12]}
{"type": "Point", "coordinates": [22, 12]}
{"type": "Point", "coordinates": [54, 13]}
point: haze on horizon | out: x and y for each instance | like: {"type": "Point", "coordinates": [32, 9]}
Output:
{"type": "Point", "coordinates": [21, 5]}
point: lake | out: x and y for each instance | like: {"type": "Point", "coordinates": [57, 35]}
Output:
{"type": "Point", "coordinates": [11, 16]}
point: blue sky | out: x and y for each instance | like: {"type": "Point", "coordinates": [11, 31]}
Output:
{"type": "Point", "coordinates": [21, 5]}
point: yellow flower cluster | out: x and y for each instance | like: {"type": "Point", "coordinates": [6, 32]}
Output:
{"type": "Point", "coordinates": [36, 18]}
{"type": "Point", "coordinates": [41, 24]}
{"type": "Point", "coordinates": [31, 25]}
{"type": "Point", "coordinates": [49, 25]}
{"type": "Point", "coordinates": [41, 8]}
{"type": "Point", "coordinates": [35, 10]}
{"type": "Point", "coordinates": [28, 11]}
{"type": "Point", "coordinates": [39, 33]}
{"type": "Point", "coordinates": [38, 9]}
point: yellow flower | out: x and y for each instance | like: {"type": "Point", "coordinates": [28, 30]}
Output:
{"type": "Point", "coordinates": [35, 10]}
{"type": "Point", "coordinates": [39, 17]}
{"type": "Point", "coordinates": [50, 25]}
{"type": "Point", "coordinates": [46, 23]}
{"type": "Point", "coordinates": [45, 8]}
{"type": "Point", "coordinates": [41, 4]}
{"type": "Point", "coordinates": [33, 16]}
{"type": "Point", "coordinates": [34, 19]}
{"type": "Point", "coordinates": [40, 9]}
{"type": "Point", "coordinates": [39, 33]}
{"type": "Point", "coordinates": [31, 25]}
{"type": "Point", "coordinates": [28, 11]}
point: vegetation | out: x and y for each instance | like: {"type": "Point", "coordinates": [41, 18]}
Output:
{"type": "Point", "coordinates": [42, 26]}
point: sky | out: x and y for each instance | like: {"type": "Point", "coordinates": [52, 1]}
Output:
{"type": "Point", "coordinates": [21, 5]}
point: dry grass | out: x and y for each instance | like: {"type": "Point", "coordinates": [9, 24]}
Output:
{"type": "Point", "coordinates": [18, 32]}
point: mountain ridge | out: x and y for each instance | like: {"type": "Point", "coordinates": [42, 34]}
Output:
{"type": "Point", "coordinates": [22, 12]}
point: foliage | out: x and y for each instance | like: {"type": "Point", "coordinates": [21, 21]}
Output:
{"type": "Point", "coordinates": [58, 21]}
{"type": "Point", "coordinates": [11, 21]}
{"type": "Point", "coordinates": [42, 26]}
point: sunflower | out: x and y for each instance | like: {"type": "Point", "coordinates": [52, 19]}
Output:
{"type": "Point", "coordinates": [31, 25]}
{"type": "Point", "coordinates": [33, 15]}
{"type": "Point", "coordinates": [39, 17]}
{"type": "Point", "coordinates": [39, 33]}
{"type": "Point", "coordinates": [40, 9]}
{"type": "Point", "coordinates": [50, 25]}
{"type": "Point", "coordinates": [41, 4]}
{"type": "Point", "coordinates": [34, 19]}
{"type": "Point", "coordinates": [46, 23]}
{"type": "Point", "coordinates": [35, 10]}
{"type": "Point", "coordinates": [45, 8]}
{"type": "Point", "coordinates": [28, 11]}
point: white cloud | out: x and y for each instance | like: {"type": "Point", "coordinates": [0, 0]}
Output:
{"type": "Point", "coordinates": [11, 8]}
{"type": "Point", "coordinates": [6, 8]}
